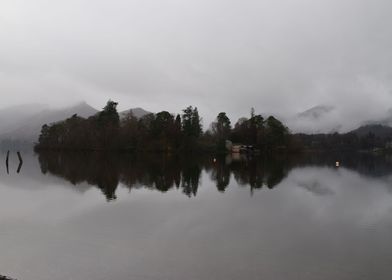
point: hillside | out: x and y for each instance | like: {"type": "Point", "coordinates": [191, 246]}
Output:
{"type": "Point", "coordinates": [316, 112]}
{"type": "Point", "coordinates": [28, 126]}
{"type": "Point", "coordinates": [12, 117]}
{"type": "Point", "coordinates": [23, 123]}
{"type": "Point", "coordinates": [137, 112]}
{"type": "Point", "coordinates": [378, 130]}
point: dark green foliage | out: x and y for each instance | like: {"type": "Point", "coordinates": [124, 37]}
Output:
{"type": "Point", "coordinates": [107, 126]}
{"type": "Point", "coordinates": [105, 131]}
{"type": "Point", "coordinates": [264, 135]}
{"type": "Point", "coordinates": [221, 130]}
{"type": "Point", "coordinates": [164, 132]}
{"type": "Point", "coordinates": [346, 141]}
{"type": "Point", "coordinates": [191, 128]}
{"type": "Point", "coordinates": [276, 134]}
{"type": "Point", "coordinates": [109, 115]}
{"type": "Point", "coordinates": [161, 132]}
{"type": "Point", "coordinates": [191, 122]}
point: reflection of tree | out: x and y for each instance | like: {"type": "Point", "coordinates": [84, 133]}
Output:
{"type": "Point", "coordinates": [96, 169]}
{"type": "Point", "coordinates": [275, 172]}
{"type": "Point", "coordinates": [221, 174]}
{"type": "Point", "coordinates": [372, 165]}
{"type": "Point", "coordinates": [257, 172]}
{"type": "Point", "coordinates": [190, 178]}
{"type": "Point", "coordinates": [106, 177]}
{"type": "Point", "coordinates": [105, 171]}
{"type": "Point", "coordinates": [159, 172]}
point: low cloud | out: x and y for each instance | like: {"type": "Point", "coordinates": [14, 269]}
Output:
{"type": "Point", "coordinates": [279, 57]}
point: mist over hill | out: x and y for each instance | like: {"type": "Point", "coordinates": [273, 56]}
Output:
{"type": "Point", "coordinates": [27, 126]}
{"type": "Point", "coordinates": [385, 120]}
{"type": "Point", "coordinates": [23, 123]}
{"type": "Point", "coordinates": [137, 112]}
{"type": "Point", "coordinates": [316, 112]}
{"type": "Point", "coordinates": [317, 119]}
{"type": "Point", "coordinates": [324, 119]}
{"type": "Point", "coordinates": [12, 117]}
{"type": "Point", "coordinates": [378, 130]}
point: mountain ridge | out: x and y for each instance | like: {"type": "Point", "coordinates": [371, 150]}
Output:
{"type": "Point", "coordinates": [24, 122]}
{"type": "Point", "coordinates": [316, 112]}
{"type": "Point", "coordinates": [28, 129]}
{"type": "Point", "coordinates": [378, 130]}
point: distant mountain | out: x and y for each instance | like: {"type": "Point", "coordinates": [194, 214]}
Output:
{"type": "Point", "coordinates": [23, 123]}
{"type": "Point", "coordinates": [316, 112]}
{"type": "Point", "coordinates": [137, 112]}
{"type": "Point", "coordinates": [318, 119]}
{"type": "Point", "coordinates": [27, 127]}
{"type": "Point", "coordinates": [11, 117]}
{"type": "Point", "coordinates": [378, 130]}
{"type": "Point", "coordinates": [386, 120]}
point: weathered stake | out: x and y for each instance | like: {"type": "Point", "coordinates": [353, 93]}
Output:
{"type": "Point", "coordinates": [20, 157]}
{"type": "Point", "coordinates": [20, 162]}
{"type": "Point", "coordinates": [6, 161]}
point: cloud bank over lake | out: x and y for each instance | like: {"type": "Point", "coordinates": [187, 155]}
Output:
{"type": "Point", "coordinates": [280, 58]}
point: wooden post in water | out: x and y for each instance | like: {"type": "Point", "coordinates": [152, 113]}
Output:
{"type": "Point", "coordinates": [6, 161]}
{"type": "Point", "coordinates": [20, 162]}
{"type": "Point", "coordinates": [20, 157]}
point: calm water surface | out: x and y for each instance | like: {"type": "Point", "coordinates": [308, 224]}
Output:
{"type": "Point", "coordinates": [76, 216]}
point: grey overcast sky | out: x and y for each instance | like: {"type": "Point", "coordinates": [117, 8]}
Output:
{"type": "Point", "coordinates": [280, 57]}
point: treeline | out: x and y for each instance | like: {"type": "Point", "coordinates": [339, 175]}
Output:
{"type": "Point", "coordinates": [162, 132]}
{"type": "Point", "coordinates": [345, 142]}
{"type": "Point", "coordinates": [265, 135]}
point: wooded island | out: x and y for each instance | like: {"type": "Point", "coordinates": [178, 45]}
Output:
{"type": "Point", "coordinates": [161, 132]}
{"type": "Point", "coordinates": [168, 133]}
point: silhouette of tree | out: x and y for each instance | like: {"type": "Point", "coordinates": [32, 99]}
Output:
{"type": "Point", "coordinates": [221, 129]}
{"type": "Point", "coordinates": [191, 122]}
{"type": "Point", "coordinates": [276, 133]}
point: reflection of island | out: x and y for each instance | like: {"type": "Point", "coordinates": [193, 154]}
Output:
{"type": "Point", "coordinates": [249, 171]}
{"type": "Point", "coordinates": [158, 172]}
{"type": "Point", "coordinates": [370, 165]}
{"type": "Point", "coordinates": [161, 173]}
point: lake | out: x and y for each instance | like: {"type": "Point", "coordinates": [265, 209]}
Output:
{"type": "Point", "coordinates": [94, 216]}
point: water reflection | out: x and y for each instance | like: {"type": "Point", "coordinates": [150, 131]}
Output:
{"type": "Point", "coordinates": [317, 222]}
{"type": "Point", "coordinates": [161, 173]}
